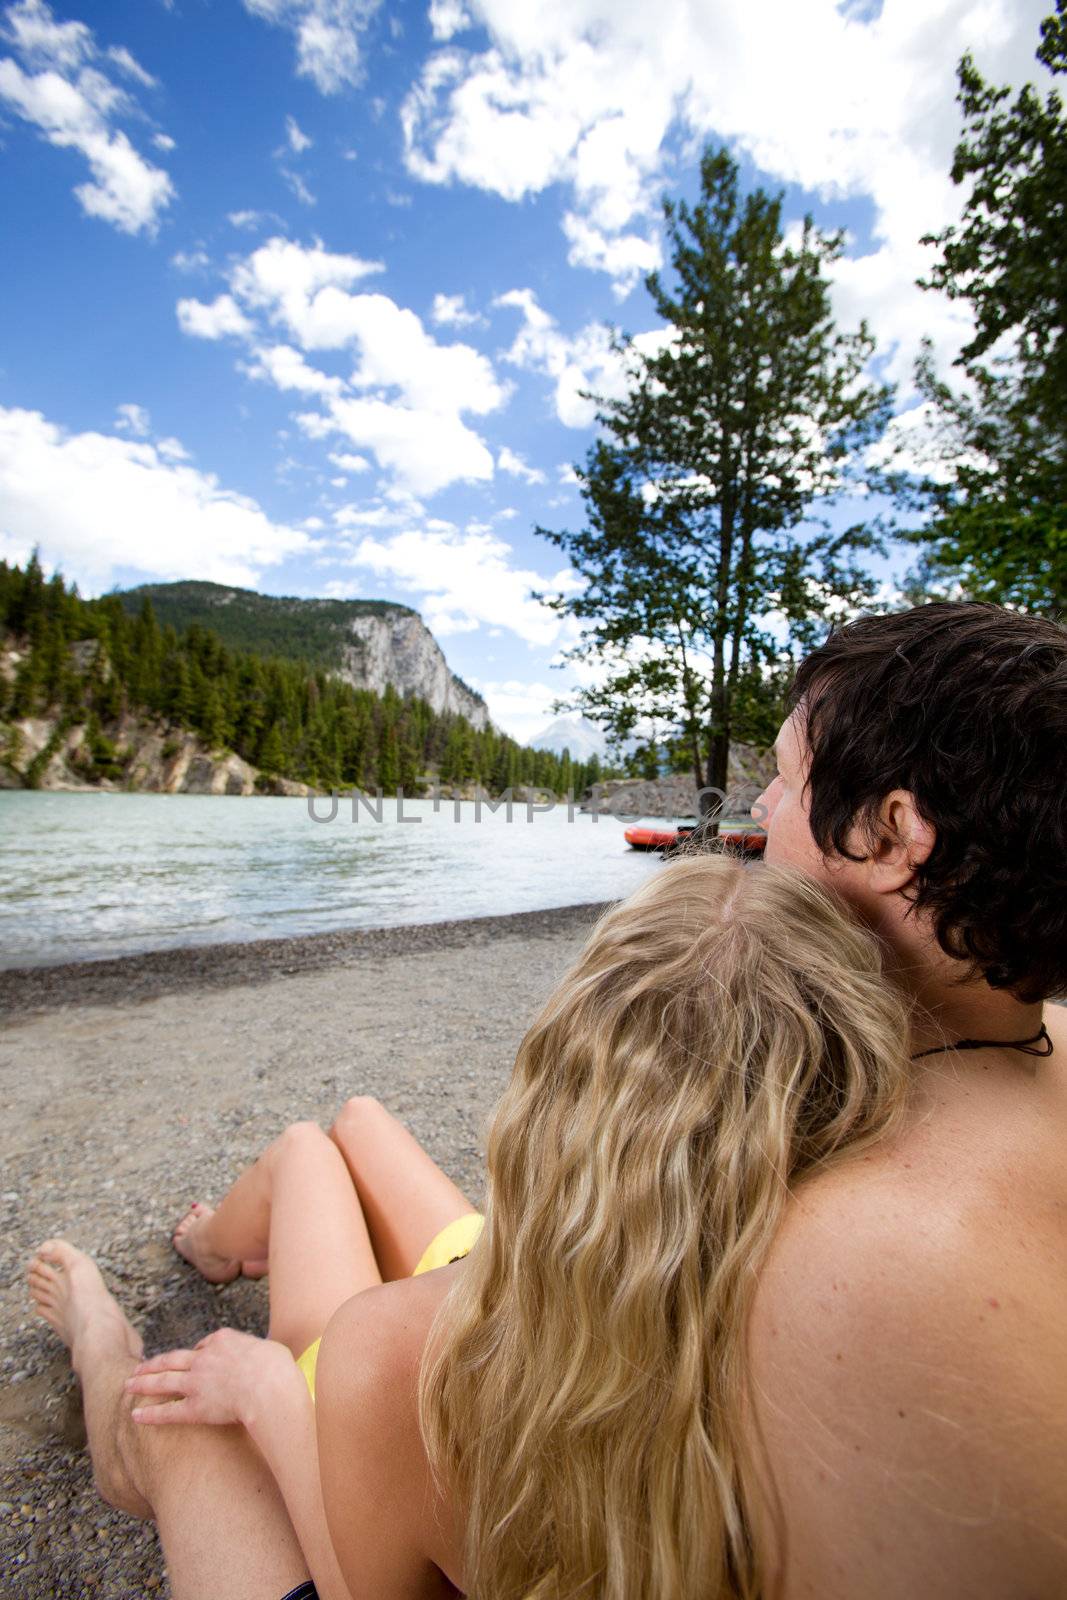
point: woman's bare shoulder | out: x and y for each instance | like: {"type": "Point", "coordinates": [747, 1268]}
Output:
{"type": "Point", "coordinates": [371, 1450]}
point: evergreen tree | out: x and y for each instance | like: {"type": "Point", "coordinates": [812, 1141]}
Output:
{"type": "Point", "coordinates": [999, 494]}
{"type": "Point", "coordinates": [749, 417]}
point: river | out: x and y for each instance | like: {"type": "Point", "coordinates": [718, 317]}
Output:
{"type": "Point", "coordinates": [85, 876]}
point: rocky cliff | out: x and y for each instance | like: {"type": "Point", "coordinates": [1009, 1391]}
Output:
{"type": "Point", "coordinates": [150, 757]}
{"type": "Point", "coordinates": [396, 647]}
{"type": "Point", "coordinates": [368, 643]}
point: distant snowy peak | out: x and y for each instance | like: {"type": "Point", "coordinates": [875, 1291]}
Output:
{"type": "Point", "coordinates": [575, 733]}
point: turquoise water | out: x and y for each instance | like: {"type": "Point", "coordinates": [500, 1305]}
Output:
{"type": "Point", "coordinates": [84, 876]}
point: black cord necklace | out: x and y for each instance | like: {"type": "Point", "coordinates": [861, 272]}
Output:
{"type": "Point", "coordinates": [1027, 1046]}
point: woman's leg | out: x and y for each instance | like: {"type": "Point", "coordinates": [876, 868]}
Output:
{"type": "Point", "coordinates": [296, 1205]}
{"type": "Point", "coordinates": [405, 1197]}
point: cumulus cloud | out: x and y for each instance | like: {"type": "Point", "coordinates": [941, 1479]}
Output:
{"type": "Point", "coordinates": [327, 34]}
{"type": "Point", "coordinates": [465, 578]}
{"type": "Point", "coordinates": [285, 280]}
{"type": "Point", "coordinates": [509, 461]}
{"type": "Point", "coordinates": [191, 261]}
{"type": "Point", "coordinates": [412, 391]}
{"type": "Point", "coordinates": [74, 104]}
{"type": "Point", "coordinates": [590, 97]}
{"type": "Point", "coordinates": [247, 219]}
{"type": "Point", "coordinates": [350, 463]}
{"type": "Point", "coordinates": [215, 321]}
{"type": "Point", "coordinates": [580, 364]}
{"type": "Point", "coordinates": [448, 17]}
{"type": "Point", "coordinates": [132, 418]}
{"type": "Point", "coordinates": [97, 504]}
{"type": "Point", "coordinates": [425, 450]}
{"type": "Point", "coordinates": [286, 368]}
{"type": "Point", "coordinates": [450, 311]}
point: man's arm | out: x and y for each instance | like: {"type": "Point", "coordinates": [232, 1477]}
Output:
{"type": "Point", "coordinates": [283, 1429]}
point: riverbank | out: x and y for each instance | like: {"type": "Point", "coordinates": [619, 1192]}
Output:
{"type": "Point", "coordinates": [131, 1086]}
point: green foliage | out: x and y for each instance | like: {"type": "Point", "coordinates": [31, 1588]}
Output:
{"type": "Point", "coordinates": [999, 498]}
{"type": "Point", "coordinates": [94, 660]}
{"type": "Point", "coordinates": [748, 417]}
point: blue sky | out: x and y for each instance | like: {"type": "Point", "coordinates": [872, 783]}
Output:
{"type": "Point", "coordinates": [299, 294]}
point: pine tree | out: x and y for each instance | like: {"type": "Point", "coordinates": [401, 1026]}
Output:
{"type": "Point", "coordinates": [748, 420]}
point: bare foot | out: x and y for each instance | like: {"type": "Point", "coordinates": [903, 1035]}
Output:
{"type": "Point", "coordinates": [189, 1242]}
{"type": "Point", "coordinates": [72, 1297]}
{"type": "Point", "coordinates": [255, 1269]}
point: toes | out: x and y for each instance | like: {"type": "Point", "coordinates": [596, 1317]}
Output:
{"type": "Point", "coordinates": [197, 1212]}
{"type": "Point", "coordinates": [58, 1251]}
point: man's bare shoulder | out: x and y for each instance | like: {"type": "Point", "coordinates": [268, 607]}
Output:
{"type": "Point", "coordinates": [908, 1371]}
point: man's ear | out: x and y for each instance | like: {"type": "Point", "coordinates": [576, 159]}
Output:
{"type": "Point", "coordinates": [904, 841]}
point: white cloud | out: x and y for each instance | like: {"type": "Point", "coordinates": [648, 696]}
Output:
{"type": "Point", "coordinates": [132, 418]}
{"type": "Point", "coordinates": [350, 463]}
{"type": "Point", "coordinates": [589, 96]}
{"type": "Point", "coordinates": [509, 461]}
{"type": "Point", "coordinates": [73, 104]}
{"type": "Point", "coordinates": [416, 390]}
{"type": "Point", "coordinates": [129, 64]}
{"type": "Point", "coordinates": [327, 36]}
{"type": "Point", "coordinates": [98, 504]}
{"type": "Point", "coordinates": [464, 580]}
{"type": "Point", "coordinates": [626, 257]}
{"type": "Point", "coordinates": [299, 141]}
{"type": "Point", "coordinates": [450, 310]}
{"type": "Point", "coordinates": [196, 260]}
{"type": "Point", "coordinates": [215, 321]}
{"type": "Point", "coordinates": [44, 42]}
{"type": "Point", "coordinates": [285, 280]}
{"type": "Point", "coordinates": [299, 188]}
{"type": "Point", "coordinates": [521, 709]}
{"type": "Point", "coordinates": [247, 219]}
{"type": "Point", "coordinates": [286, 368]}
{"type": "Point", "coordinates": [426, 450]}
{"type": "Point", "coordinates": [164, 142]}
{"type": "Point", "coordinates": [411, 417]}
{"type": "Point", "coordinates": [584, 362]}
{"type": "Point", "coordinates": [448, 17]}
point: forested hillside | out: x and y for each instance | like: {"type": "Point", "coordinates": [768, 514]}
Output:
{"type": "Point", "coordinates": [90, 662]}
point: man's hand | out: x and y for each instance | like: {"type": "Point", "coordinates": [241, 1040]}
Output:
{"type": "Point", "coordinates": [227, 1378]}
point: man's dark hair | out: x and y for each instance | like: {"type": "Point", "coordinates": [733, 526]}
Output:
{"type": "Point", "coordinates": [965, 705]}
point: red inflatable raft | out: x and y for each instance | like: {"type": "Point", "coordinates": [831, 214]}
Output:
{"type": "Point", "coordinates": [750, 840]}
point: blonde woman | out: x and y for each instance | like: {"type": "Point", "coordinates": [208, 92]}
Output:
{"type": "Point", "coordinates": [578, 1369]}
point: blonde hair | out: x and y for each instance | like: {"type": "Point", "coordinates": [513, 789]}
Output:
{"type": "Point", "coordinates": [725, 1031]}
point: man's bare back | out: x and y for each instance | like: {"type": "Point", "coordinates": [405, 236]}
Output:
{"type": "Point", "coordinates": [908, 1347]}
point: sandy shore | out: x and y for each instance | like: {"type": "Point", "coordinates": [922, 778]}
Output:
{"type": "Point", "coordinates": [131, 1087]}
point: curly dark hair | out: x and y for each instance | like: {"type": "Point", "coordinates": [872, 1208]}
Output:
{"type": "Point", "coordinates": [965, 705]}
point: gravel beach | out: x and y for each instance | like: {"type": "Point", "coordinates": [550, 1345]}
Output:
{"type": "Point", "coordinates": [131, 1087]}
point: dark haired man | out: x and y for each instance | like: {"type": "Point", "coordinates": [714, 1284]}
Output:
{"type": "Point", "coordinates": [909, 1364]}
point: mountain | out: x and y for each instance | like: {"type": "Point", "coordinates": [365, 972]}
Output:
{"type": "Point", "coordinates": [575, 733]}
{"type": "Point", "coordinates": [367, 643]}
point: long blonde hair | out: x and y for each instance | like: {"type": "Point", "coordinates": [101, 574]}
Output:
{"type": "Point", "coordinates": [725, 1031]}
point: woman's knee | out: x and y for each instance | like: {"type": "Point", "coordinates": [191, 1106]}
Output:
{"type": "Point", "coordinates": [299, 1139]}
{"type": "Point", "coordinates": [355, 1115]}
